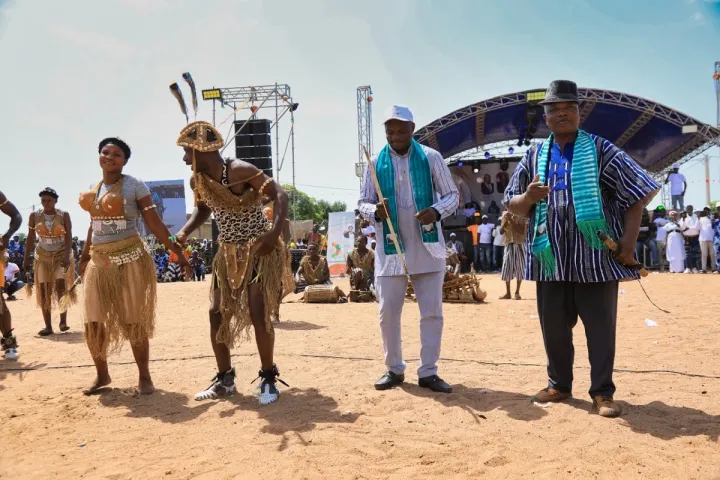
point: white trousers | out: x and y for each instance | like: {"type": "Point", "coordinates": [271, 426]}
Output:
{"type": "Point", "coordinates": [391, 294]}
{"type": "Point", "coordinates": [707, 250]}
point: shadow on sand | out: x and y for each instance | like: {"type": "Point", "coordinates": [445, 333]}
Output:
{"type": "Point", "coordinates": [297, 325]}
{"type": "Point", "coordinates": [168, 407]}
{"type": "Point", "coordinates": [478, 401]}
{"type": "Point", "coordinates": [71, 337]}
{"type": "Point", "coordinates": [662, 421]}
{"type": "Point", "coordinates": [18, 368]}
{"type": "Point", "coordinates": [297, 411]}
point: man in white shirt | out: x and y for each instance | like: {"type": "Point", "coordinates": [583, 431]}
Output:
{"type": "Point", "coordinates": [418, 192]}
{"type": "Point", "coordinates": [678, 185]}
{"type": "Point", "coordinates": [691, 232]}
{"type": "Point", "coordinates": [498, 246]}
{"type": "Point", "coordinates": [485, 242]}
{"type": "Point", "coordinates": [707, 249]}
{"type": "Point", "coordinates": [12, 283]}
{"type": "Point", "coordinates": [458, 246]}
{"type": "Point", "coordinates": [661, 236]}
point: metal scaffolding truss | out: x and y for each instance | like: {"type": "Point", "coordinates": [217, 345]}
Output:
{"type": "Point", "coordinates": [694, 147]}
{"type": "Point", "coordinates": [496, 150]}
{"type": "Point", "coordinates": [234, 95]}
{"type": "Point", "coordinates": [255, 98]}
{"type": "Point", "coordinates": [471, 111]}
{"type": "Point", "coordinates": [587, 107]}
{"type": "Point", "coordinates": [641, 121]}
{"type": "Point", "coordinates": [364, 125]}
{"type": "Point", "coordinates": [705, 137]}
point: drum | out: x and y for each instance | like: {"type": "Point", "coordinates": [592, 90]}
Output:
{"type": "Point", "coordinates": [360, 296]}
{"type": "Point", "coordinates": [322, 294]}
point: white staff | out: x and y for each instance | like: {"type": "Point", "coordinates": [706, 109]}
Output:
{"type": "Point", "coordinates": [373, 175]}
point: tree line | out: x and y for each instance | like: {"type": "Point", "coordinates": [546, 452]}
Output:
{"type": "Point", "coordinates": [302, 206]}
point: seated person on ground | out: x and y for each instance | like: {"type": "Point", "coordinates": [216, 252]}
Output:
{"type": "Point", "coordinates": [313, 270]}
{"type": "Point", "coordinates": [361, 266]}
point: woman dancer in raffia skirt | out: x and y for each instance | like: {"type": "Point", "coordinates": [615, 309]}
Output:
{"type": "Point", "coordinates": [54, 266]}
{"type": "Point", "coordinates": [118, 271]}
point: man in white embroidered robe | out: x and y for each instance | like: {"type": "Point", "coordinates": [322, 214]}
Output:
{"type": "Point", "coordinates": [421, 240]}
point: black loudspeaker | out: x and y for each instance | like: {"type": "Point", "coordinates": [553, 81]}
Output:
{"type": "Point", "coordinates": [253, 144]}
{"type": "Point", "coordinates": [259, 127]}
{"type": "Point", "coordinates": [264, 164]}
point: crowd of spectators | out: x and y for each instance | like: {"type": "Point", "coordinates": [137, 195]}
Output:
{"type": "Point", "coordinates": [699, 232]}
{"type": "Point", "coordinates": [200, 254]}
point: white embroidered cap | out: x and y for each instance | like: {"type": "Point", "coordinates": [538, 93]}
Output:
{"type": "Point", "coordinates": [398, 112]}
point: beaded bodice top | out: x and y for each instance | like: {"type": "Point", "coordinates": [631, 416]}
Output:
{"type": "Point", "coordinates": [240, 218]}
{"type": "Point", "coordinates": [50, 228]}
{"type": "Point", "coordinates": [109, 208]}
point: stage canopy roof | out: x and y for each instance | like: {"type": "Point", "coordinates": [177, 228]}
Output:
{"type": "Point", "coordinates": [652, 134]}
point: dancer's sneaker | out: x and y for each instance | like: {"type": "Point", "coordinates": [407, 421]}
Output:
{"type": "Point", "coordinates": [9, 346]}
{"type": "Point", "coordinates": [267, 392]}
{"type": "Point", "coordinates": [222, 385]}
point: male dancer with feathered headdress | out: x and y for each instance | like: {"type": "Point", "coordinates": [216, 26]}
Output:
{"type": "Point", "coordinates": [248, 270]}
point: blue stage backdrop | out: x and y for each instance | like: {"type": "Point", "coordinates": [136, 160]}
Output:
{"type": "Point", "coordinates": [169, 196]}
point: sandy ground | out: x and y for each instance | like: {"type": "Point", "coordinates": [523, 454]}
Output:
{"type": "Point", "coordinates": [332, 424]}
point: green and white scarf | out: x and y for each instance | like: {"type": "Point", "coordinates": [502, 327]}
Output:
{"type": "Point", "coordinates": [585, 184]}
{"type": "Point", "coordinates": [422, 186]}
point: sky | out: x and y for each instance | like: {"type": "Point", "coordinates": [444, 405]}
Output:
{"type": "Point", "coordinates": [77, 71]}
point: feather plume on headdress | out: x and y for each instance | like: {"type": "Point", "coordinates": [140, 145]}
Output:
{"type": "Point", "coordinates": [175, 90]}
{"type": "Point", "coordinates": [186, 76]}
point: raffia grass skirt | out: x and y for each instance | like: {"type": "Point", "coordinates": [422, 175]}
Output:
{"type": "Point", "coordinates": [120, 292]}
{"type": "Point", "coordinates": [235, 268]}
{"type": "Point", "coordinates": [48, 269]}
{"type": "Point", "coordinates": [288, 279]}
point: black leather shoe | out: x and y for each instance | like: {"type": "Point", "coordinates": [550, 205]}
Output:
{"type": "Point", "coordinates": [435, 383]}
{"type": "Point", "coordinates": [389, 380]}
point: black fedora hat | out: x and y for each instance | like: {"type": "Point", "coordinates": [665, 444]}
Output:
{"type": "Point", "coordinates": [561, 91]}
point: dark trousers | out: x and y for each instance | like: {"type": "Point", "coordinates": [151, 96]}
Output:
{"type": "Point", "coordinates": [498, 253]}
{"type": "Point", "coordinates": [485, 257]}
{"type": "Point", "coordinates": [692, 252]}
{"type": "Point", "coordinates": [477, 264]}
{"type": "Point", "coordinates": [12, 286]}
{"type": "Point", "coordinates": [559, 304]}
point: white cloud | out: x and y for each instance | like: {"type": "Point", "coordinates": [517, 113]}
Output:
{"type": "Point", "coordinates": [699, 17]}
{"type": "Point", "coordinates": [93, 41]}
{"type": "Point", "coordinates": [144, 6]}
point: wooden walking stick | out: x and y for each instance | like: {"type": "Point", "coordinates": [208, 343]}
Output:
{"type": "Point", "coordinates": [393, 235]}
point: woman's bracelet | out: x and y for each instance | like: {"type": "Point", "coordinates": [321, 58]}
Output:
{"type": "Point", "coordinates": [150, 207]}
